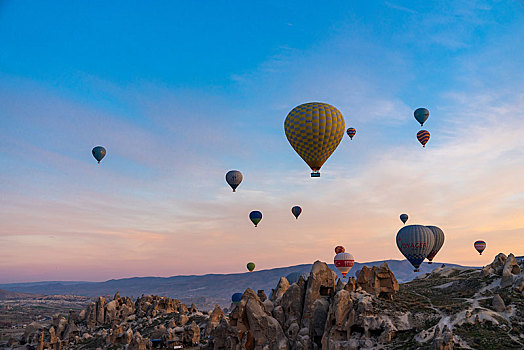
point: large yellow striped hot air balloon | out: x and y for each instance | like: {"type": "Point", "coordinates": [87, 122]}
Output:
{"type": "Point", "coordinates": [314, 130]}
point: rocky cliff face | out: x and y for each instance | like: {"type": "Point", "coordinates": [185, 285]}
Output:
{"type": "Point", "coordinates": [150, 321]}
{"type": "Point", "coordinates": [450, 307]}
{"type": "Point", "coordinates": [313, 314]}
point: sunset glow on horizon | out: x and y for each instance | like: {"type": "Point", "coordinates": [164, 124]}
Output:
{"type": "Point", "coordinates": [179, 93]}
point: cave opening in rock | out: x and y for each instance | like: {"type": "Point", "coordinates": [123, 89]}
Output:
{"type": "Point", "coordinates": [326, 291]}
{"type": "Point", "coordinates": [318, 340]}
{"type": "Point", "coordinates": [375, 332]}
{"type": "Point", "coordinates": [357, 329]}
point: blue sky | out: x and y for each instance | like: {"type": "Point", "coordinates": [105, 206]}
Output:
{"type": "Point", "coordinates": [181, 92]}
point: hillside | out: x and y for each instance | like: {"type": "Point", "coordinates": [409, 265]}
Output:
{"type": "Point", "coordinates": [451, 307]}
{"type": "Point", "coordinates": [206, 290]}
{"type": "Point", "coordinates": [4, 294]}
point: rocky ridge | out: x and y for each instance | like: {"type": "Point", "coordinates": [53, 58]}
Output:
{"type": "Point", "coordinates": [119, 323]}
{"type": "Point", "coordinates": [449, 307]}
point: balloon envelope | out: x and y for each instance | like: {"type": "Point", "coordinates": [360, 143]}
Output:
{"type": "Point", "coordinates": [415, 243]}
{"type": "Point", "coordinates": [234, 178]}
{"type": "Point", "coordinates": [351, 132]}
{"type": "Point", "coordinates": [235, 298]}
{"type": "Point", "coordinates": [293, 277]}
{"type": "Point", "coordinates": [421, 115]}
{"type": "Point", "coordinates": [314, 130]}
{"type": "Point", "coordinates": [296, 210]}
{"type": "Point", "coordinates": [250, 266]}
{"type": "Point", "coordinates": [480, 246]}
{"type": "Point", "coordinates": [423, 137]}
{"type": "Point", "coordinates": [404, 218]}
{"type": "Point", "coordinates": [344, 262]}
{"type": "Point", "coordinates": [339, 249]}
{"type": "Point", "coordinates": [255, 217]}
{"type": "Point", "coordinates": [438, 234]}
{"type": "Point", "coordinates": [99, 153]}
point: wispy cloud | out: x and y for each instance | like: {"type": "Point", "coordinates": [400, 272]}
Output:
{"type": "Point", "coordinates": [400, 8]}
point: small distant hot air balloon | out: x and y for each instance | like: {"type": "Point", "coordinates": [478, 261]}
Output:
{"type": "Point", "coordinates": [480, 246]}
{"type": "Point", "coordinates": [404, 218]}
{"type": "Point", "coordinates": [421, 115]}
{"type": "Point", "coordinates": [423, 137]}
{"type": "Point", "coordinates": [415, 243]}
{"type": "Point", "coordinates": [235, 298]}
{"type": "Point", "coordinates": [296, 210]}
{"type": "Point", "coordinates": [255, 217]}
{"type": "Point", "coordinates": [438, 234]}
{"type": "Point", "coordinates": [99, 153]}
{"type": "Point", "coordinates": [250, 266]}
{"type": "Point", "coordinates": [351, 132]}
{"type": "Point", "coordinates": [344, 262]}
{"type": "Point", "coordinates": [234, 178]}
{"type": "Point", "coordinates": [314, 130]}
{"type": "Point", "coordinates": [339, 249]}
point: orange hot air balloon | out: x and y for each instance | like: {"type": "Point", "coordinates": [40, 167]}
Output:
{"type": "Point", "coordinates": [423, 137]}
{"type": "Point", "coordinates": [339, 249]}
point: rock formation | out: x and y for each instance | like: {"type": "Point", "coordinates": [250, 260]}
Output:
{"type": "Point", "coordinates": [447, 308]}
{"type": "Point", "coordinates": [379, 281]}
{"type": "Point", "coordinates": [149, 321]}
{"type": "Point", "coordinates": [311, 314]}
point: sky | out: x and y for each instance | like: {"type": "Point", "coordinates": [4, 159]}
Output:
{"type": "Point", "coordinates": [180, 92]}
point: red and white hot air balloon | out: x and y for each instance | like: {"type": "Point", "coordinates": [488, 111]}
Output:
{"type": "Point", "coordinates": [344, 262]}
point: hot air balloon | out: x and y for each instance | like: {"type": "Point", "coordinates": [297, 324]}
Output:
{"type": "Point", "coordinates": [404, 218]}
{"type": "Point", "coordinates": [421, 115]}
{"type": "Point", "coordinates": [235, 298]}
{"type": "Point", "coordinates": [438, 234]}
{"type": "Point", "coordinates": [250, 266]}
{"type": "Point", "coordinates": [415, 243]}
{"type": "Point", "coordinates": [234, 178]}
{"type": "Point", "coordinates": [296, 210]}
{"type": "Point", "coordinates": [255, 217]}
{"type": "Point", "coordinates": [423, 137]}
{"type": "Point", "coordinates": [293, 277]}
{"type": "Point", "coordinates": [314, 130]}
{"type": "Point", "coordinates": [351, 132]}
{"type": "Point", "coordinates": [339, 249]}
{"type": "Point", "coordinates": [99, 153]}
{"type": "Point", "coordinates": [480, 246]}
{"type": "Point", "coordinates": [344, 262]}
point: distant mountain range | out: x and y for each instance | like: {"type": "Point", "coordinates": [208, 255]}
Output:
{"type": "Point", "coordinates": [4, 295]}
{"type": "Point", "coordinates": [204, 290]}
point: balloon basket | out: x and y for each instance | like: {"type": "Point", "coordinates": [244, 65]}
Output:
{"type": "Point", "coordinates": [430, 262]}
{"type": "Point", "coordinates": [315, 174]}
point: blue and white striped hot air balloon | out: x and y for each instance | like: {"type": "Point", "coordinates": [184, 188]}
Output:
{"type": "Point", "coordinates": [415, 242]}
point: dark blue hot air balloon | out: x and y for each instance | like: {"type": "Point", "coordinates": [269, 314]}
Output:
{"type": "Point", "coordinates": [235, 298]}
{"type": "Point", "coordinates": [99, 153]}
{"type": "Point", "coordinates": [255, 217]}
{"type": "Point", "coordinates": [421, 115]}
{"type": "Point", "coordinates": [296, 210]}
